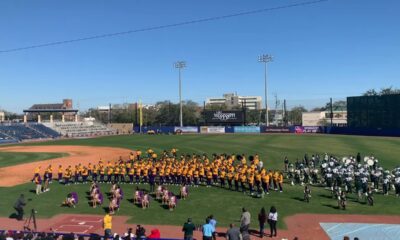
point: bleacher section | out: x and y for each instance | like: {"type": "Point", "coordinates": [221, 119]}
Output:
{"type": "Point", "coordinates": [44, 130]}
{"type": "Point", "coordinates": [81, 129]}
{"type": "Point", "coordinates": [19, 132]}
{"type": "Point", "coordinates": [6, 139]}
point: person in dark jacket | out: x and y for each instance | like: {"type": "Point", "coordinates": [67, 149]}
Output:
{"type": "Point", "coordinates": [262, 218]}
{"type": "Point", "coordinates": [19, 207]}
{"type": "Point", "coordinates": [140, 232]}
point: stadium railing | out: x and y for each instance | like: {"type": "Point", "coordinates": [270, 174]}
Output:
{"type": "Point", "coordinates": [91, 235]}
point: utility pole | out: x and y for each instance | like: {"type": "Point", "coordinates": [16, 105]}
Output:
{"type": "Point", "coordinates": [331, 114]}
{"type": "Point", "coordinates": [265, 58]}
{"type": "Point", "coordinates": [109, 113]}
{"type": "Point", "coordinates": [180, 65]}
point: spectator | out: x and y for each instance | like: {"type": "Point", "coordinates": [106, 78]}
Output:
{"type": "Point", "coordinates": [207, 230]}
{"type": "Point", "coordinates": [346, 238]}
{"type": "Point", "coordinates": [154, 234]}
{"type": "Point", "coordinates": [233, 233]}
{"type": "Point", "coordinates": [245, 221]}
{"type": "Point", "coordinates": [140, 232]}
{"type": "Point", "coordinates": [129, 234]}
{"type": "Point", "coordinates": [262, 218]}
{"type": "Point", "coordinates": [272, 219]}
{"type": "Point", "coordinates": [188, 229]}
{"type": "Point", "coordinates": [107, 225]}
{"type": "Point", "coordinates": [213, 223]}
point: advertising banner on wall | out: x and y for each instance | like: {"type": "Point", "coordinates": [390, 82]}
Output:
{"type": "Point", "coordinates": [301, 129]}
{"type": "Point", "coordinates": [275, 130]}
{"type": "Point", "coordinates": [224, 116]}
{"type": "Point", "coordinates": [186, 129]}
{"type": "Point", "coordinates": [246, 129]}
{"type": "Point", "coordinates": [212, 129]}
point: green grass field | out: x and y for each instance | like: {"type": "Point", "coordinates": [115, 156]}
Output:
{"type": "Point", "coordinates": [12, 158]}
{"type": "Point", "coordinates": [224, 204]}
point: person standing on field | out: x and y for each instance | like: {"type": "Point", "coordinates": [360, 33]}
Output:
{"type": "Point", "coordinates": [188, 229]}
{"type": "Point", "coordinates": [245, 221]}
{"type": "Point", "coordinates": [262, 218]}
{"type": "Point", "coordinates": [272, 220]}
{"type": "Point", "coordinates": [107, 225]}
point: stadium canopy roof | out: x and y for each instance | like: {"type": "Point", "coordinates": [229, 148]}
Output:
{"type": "Point", "coordinates": [49, 110]}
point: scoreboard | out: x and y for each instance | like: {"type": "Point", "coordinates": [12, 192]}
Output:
{"type": "Point", "coordinates": [374, 111]}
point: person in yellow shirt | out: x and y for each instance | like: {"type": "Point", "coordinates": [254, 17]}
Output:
{"type": "Point", "coordinates": [110, 171]}
{"type": "Point", "coordinates": [250, 180]}
{"type": "Point", "coordinates": [222, 176]}
{"type": "Point", "coordinates": [257, 178]}
{"type": "Point", "coordinates": [102, 172]}
{"type": "Point", "coordinates": [131, 156]}
{"type": "Point", "coordinates": [77, 174]}
{"type": "Point", "coordinates": [138, 155]}
{"type": "Point", "coordinates": [154, 157]}
{"type": "Point", "coordinates": [196, 174]}
{"type": "Point", "coordinates": [280, 181]}
{"type": "Point", "coordinates": [67, 175]}
{"type": "Point", "coordinates": [265, 183]}
{"type": "Point", "coordinates": [49, 171]}
{"type": "Point", "coordinates": [209, 178]}
{"type": "Point", "coordinates": [94, 174]}
{"type": "Point", "coordinates": [107, 226]}
{"type": "Point", "coordinates": [236, 177]}
{"type": "Point", "coordinates": [60, 173]}
{"type": "Point", "coordinates": [123, 174]}
{"type": "Point", "coordinates": [275, 180]}
{"type": "Point", "coordinates": [85, 174]}
{"type": "Point", "coordinates": [230, 178]}
{"type": "Point", "coordinates": [36, 172]}
{"type": "Point", "coordinates": [174, 151]}
{"type": "Point", "coordinates": [131, 173]}
{"type": "Point", "coordinates": [242, 180]}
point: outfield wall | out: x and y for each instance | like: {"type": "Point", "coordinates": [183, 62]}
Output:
{"type": "Point", "coordinates": [270, 130]}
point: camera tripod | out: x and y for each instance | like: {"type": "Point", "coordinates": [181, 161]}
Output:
{"type": "Point", "coordinates": [29, 221]}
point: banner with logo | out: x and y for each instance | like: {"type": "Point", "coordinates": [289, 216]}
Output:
{"type": "Point", "coordinates": [313, 129]}
{"type": "Point", "coordinates": [246, 129]}
{"type": "Point", "coordinates": [275, 130]}
{"type": "Point", "coordinates": [212, 129]}
{"type": "Point", "coordinates": [186, 129]}
{"type": "Point", "coordinates": [224, 116]}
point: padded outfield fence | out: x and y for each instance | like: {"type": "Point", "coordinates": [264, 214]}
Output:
{"type": "Point", "coordinates": [266, 130]}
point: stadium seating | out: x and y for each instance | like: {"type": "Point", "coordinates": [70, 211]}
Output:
{"type": "Point", "coordinates": [6, 139]}
{"type": "Point", "coordinates": [44, 130]}
{"type": "Point", "coordinates": [21, 132]}
{"type": "Point", "coordinates": [80, 129]}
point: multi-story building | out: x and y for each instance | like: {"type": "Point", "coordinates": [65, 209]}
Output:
{"type": "Point", "coordinates": [2, 116]}
{"type": "Point", "coordinates": [322, 118]}
{"type": "Point", "coordinates": [232, 100]}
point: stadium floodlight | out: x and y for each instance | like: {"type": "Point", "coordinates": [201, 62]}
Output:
{"type": "Point", "coordinates": [180, 65]}
{"type": "Point", "coordinates": [265, 58]}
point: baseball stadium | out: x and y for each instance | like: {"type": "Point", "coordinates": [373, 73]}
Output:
{"type": "Point", "coordinates": [138, 148]}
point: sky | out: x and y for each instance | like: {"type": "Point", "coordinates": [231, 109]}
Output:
{"type": "Point", "coordinates": [335, 48]}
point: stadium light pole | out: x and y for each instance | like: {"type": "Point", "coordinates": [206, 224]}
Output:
{"type": "Point", "coordinates": [265, 58]}
{"type": "Point", "coordinates": [180, 65]}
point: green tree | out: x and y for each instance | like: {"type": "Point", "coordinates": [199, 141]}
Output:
{"type": "Point", "coordinates": [295, 115]}
{"type": "Point", "coordinates": [384, 91]}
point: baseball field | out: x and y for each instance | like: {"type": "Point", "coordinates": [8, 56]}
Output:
{"type": "Point", "coordinates": [17, 164]}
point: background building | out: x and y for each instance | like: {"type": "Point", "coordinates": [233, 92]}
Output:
{"type": "Point", "coordinates": [232, 100]}
{"type": "Point", "coordinates": [322, 118]}
{"type": "Point", "coordinates": [2, 116]}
